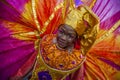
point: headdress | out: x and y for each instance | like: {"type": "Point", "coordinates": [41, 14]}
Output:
{"type": "Point", "coordinates": [81, 18]}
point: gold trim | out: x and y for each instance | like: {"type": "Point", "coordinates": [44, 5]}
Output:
{"type": "Point", "coordinates": [93, 3]}
{"type": "Point", "coordinates": [35, 15]}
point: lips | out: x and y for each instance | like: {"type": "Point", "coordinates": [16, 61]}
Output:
{"type": "Point", "coordinates": [62, 43]}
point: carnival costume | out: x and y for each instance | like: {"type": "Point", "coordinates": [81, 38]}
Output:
{"type": "Point", "coordinates": [28, 29]}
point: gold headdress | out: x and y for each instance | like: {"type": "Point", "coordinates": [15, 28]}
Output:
{"type": "Point", "coordinates": [81, 18]}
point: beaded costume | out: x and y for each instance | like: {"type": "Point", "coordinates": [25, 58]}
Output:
{"type": "Point", "coordinates": [28, 47]}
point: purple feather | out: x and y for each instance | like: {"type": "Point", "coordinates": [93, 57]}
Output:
{"type": "Point", "coordinates": [13, 53]}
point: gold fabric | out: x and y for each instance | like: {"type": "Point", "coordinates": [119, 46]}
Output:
{"type": "Point", "coordinates": [47, 60]}
{"type": "Point", "coordinates": [81, 18]}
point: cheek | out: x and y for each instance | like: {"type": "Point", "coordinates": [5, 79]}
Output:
{"type": "Point", "coordinates": [59, 34]}
{"type": "Point", "coordinates": [71, 40]}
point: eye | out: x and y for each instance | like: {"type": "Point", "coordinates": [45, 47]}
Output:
{"type": "Point", "coordinates": [60, 32]}
{"type": "Point", "coordinates": [71, 36]}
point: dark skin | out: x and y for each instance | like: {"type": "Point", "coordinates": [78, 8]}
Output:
{"type": "Point", "coordinates": [66, 36]}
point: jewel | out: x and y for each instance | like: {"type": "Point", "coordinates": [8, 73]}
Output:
{"type": "Point", "coordinates": [61, 65]}
{"type": "Point", "coordinates": [47, 58]}
{"type": "Point", "coordinates": [44, 75]}
{"type": "Point", "coordinates": [81, 56]}
{"type": "Point", "coordinates": [73, 62]}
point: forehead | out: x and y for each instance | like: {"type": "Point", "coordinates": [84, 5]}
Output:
{"type": "Point", "coordinates": [67, 28]}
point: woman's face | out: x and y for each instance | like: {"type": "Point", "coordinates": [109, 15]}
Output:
{"type": "Point", "coordinates": [66, 36]}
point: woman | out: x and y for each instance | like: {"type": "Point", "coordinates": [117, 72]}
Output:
{"type": "Point", "coordinates": [24, 28]}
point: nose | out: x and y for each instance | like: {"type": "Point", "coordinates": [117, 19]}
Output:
{"type": "Point", "coordinates": [64, 37]}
